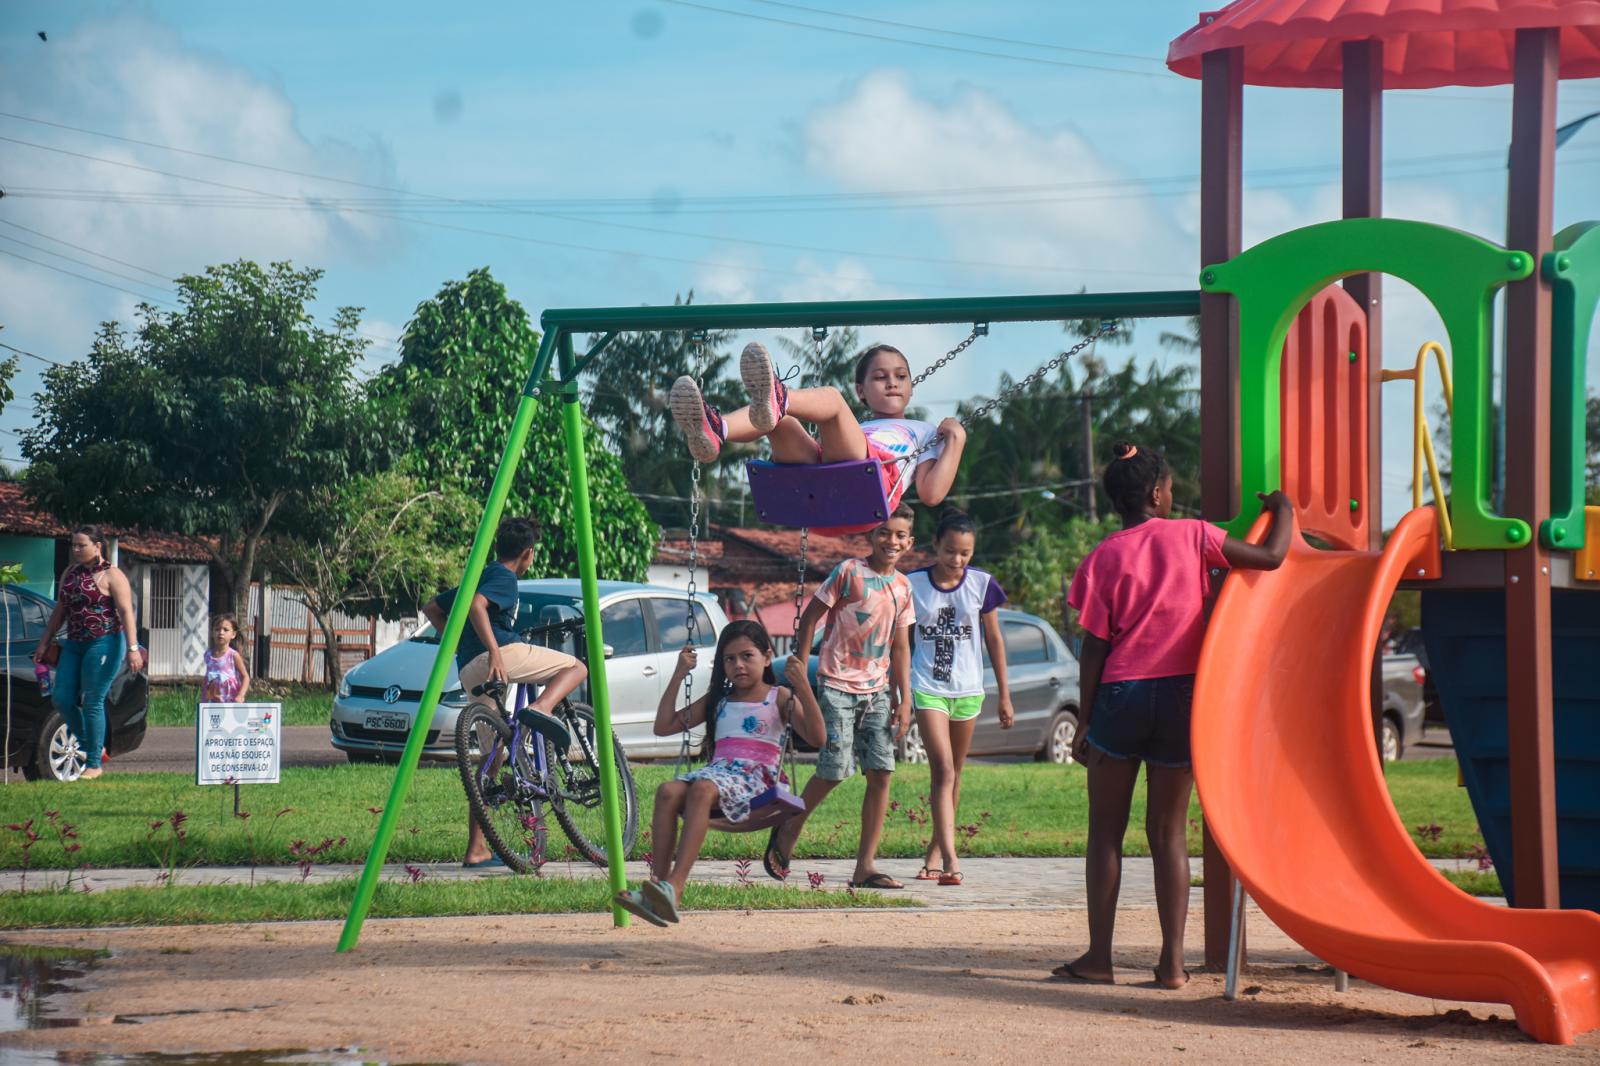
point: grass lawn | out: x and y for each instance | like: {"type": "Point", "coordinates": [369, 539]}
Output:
{"type": "Point", "coordinates": [278, 901]}
{"type": "Point", "coordinates": [1475, 882]}
{"type": "Point", "coordinates": [302, 704]}
{"type": "Point", "coordinates": [1006, 809]}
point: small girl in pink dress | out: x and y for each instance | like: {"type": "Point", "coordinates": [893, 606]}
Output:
{"type": "Point", "coordinates": [227, 677]}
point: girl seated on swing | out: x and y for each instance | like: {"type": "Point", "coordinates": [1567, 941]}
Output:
{"type": "Point", "coordinates": [745, 713]}
{"type": "Point", "coordinates": [883, 384]}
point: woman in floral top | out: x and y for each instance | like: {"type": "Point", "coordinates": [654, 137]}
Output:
{"type": "Point", "coordinates": [97, 605]}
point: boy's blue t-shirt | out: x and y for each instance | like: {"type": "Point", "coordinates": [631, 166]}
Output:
{"type": "Point", "coordinates": [498, 585]}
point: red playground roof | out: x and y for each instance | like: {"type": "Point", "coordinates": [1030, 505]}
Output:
{"type": "Point", "coordinates": [1426, 43]}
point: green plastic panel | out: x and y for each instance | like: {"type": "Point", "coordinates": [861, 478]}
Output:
{"type": "Point", "coordinates": [1456, 271]}
{"type": "Point", "coordinates": [1573, 271]}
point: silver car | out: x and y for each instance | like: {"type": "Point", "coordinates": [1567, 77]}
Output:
{"type": "Point", "coordinates": [644, 628]}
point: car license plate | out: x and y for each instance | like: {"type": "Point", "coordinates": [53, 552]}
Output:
{"type": "Point", "coordinates": [388, 721]}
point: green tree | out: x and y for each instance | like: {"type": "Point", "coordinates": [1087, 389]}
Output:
{"type": "Point", "coordinates": [1036, 573]}
{"type": "Point", "coordinates": [207, 420]}
{"type": "Point", "coordinates": [464, 359]}
{"type": "Point", "coordinates": [377, 545]}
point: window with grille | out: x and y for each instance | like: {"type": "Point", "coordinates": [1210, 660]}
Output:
{"type": "Point", "coordinates": [164, 596]}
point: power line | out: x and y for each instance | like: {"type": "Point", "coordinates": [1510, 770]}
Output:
{"type": "Point", "coordinates": [30, 355]}
{"type": "Point", "coordinates": [960, 33]}
{"type": "Point", "coordinates": [82, 277]}
{"type": "Point", "coordinates": [1037, 60]}
{"type": "Point", "coordinates": [73, 259]}
{"type": "Point", "coordinates": [86, 251]}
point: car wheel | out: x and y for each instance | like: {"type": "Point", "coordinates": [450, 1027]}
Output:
{"type": "Point", "coordinates": [910, 748]}
{"type": "Point", "coordinates": [1059, 741]}
{"type": "Point", "coordinates": [1389, 740]}
{"type": "Point", "coordinates": [57, 756]}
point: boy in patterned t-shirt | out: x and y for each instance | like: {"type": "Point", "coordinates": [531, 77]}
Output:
{"type": "Point", "coordinates": [864, 668]}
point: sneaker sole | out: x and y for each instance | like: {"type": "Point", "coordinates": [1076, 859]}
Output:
{"type": "Point", "coordinates": [755, 370]}
{"type": "Point", "coordinates": [688, 411]}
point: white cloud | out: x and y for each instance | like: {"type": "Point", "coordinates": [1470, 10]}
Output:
{"type": "Point", "coordinates": [133, 77]}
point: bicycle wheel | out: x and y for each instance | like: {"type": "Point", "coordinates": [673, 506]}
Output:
{"type": "Point", "coordinates": [502, 788]}
{"type": "Point", "coordinates": [575, 788]}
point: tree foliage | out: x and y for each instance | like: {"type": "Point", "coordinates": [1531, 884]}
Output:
{"type": "Point", "coordinates": [207, 420]}
{"type": "Point", "coordinates": [377, 545]}
{"type": "Point", "coordinates": [464, 359]}
{"type": "Point", "coordinates": [1038, 567]}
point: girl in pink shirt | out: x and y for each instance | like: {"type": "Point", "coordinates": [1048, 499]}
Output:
{"type": "Point", "coordinates": [1140, 596]}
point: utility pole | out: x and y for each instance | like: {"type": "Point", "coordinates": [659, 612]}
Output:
{"type": "Point", "coordinates": [1088, 455]}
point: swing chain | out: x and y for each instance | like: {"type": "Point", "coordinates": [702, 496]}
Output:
{"type": "Point", "coordinates": [1007, 394]}
{"type": "Point", "coordinates": [979, 329]}
{"type": "Point", "coordinates": [690, 624]}
{"type": "Point", "coordinates": [800, 580]}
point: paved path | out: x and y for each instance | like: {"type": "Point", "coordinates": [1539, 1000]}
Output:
{"type": "Point", "coordinates": [1004, 883]}
{"type": "Point", "coordinates": [170, 748]}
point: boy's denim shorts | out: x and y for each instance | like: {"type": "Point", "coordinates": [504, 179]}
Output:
{"type": "Point", "coordinates": [1146, 719]}
{"type": "Point", "coordinates": [860, 731]}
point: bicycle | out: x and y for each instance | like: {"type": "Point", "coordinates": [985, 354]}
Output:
{"type": "Point", "coordinates": [514, 765]}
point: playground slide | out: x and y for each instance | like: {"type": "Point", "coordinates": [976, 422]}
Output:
{"type": "Point", "coordinates": [1292, 789]}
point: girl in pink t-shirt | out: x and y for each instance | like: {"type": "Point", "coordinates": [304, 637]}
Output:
{"type": "Point", "coordinates": [1140, 597]}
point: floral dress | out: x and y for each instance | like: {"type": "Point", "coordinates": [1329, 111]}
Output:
{"type": "Point", "coordinates": [222, 677]}
{"type": "Point", "coordinates": [744, 763]}
{"type": "Point", "coordinates": [90, 612]}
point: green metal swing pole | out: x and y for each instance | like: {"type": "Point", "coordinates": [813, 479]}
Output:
{"type": "Point", "coordinates": [599, 690]}
{"type": "Point", "coordinates": [453, 626]}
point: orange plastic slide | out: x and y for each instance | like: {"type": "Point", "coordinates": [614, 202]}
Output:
{"type": "Point", "coordinates": [1292, 788]}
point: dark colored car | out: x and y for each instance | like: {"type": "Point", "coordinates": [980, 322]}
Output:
{"type": "Point", "coordinates": [1408, 696]}
{"type": "Point", "coordinates": [39, 742]}
{"type": "Point", "coordinates": [1043, 676]}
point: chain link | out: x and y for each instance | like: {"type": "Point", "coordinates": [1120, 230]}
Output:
{"type": "Point", "coordinates": [800, 580]}
{"type": "Point", "coordinates": [979, 329]}
{"type": "Point", "coordinates": [1005, 395]}
{"type": "Point", "coordinates": [691, 625]}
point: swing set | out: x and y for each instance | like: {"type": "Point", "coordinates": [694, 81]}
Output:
{"type": "Point", "coordinates": [839, 494]}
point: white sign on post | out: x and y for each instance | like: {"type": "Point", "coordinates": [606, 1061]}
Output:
{"type": "Point", "coordinates": [238, 743]}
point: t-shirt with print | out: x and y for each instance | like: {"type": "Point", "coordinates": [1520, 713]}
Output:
{"type": "Point", "coordinates": [1143, 590]}
{"type": "Point", "coordinates": [498, 585]}
{"type": "Point", "coordinates": [864, 609]}
{"type": "Point", "coordinates": [946, 655]}
{"type": "Point", "coordinates": [893, 438]}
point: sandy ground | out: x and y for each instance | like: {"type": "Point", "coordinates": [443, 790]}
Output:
{"type": "Point", "coordinates": [749, 988]}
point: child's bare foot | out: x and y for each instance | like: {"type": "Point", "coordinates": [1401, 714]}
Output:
{"type": "Point", "coordinates": [90, 773]}
{"type": "Point", "coordinates": [701, 424]}
{"type": "Point", "coordinates": [769, 397]}
{"type": "Point", "coordinates": [1082, 969]}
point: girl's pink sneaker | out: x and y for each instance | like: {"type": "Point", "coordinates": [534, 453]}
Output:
{"type": "Point", "coordinates": [701, 425]}
{"type": "Point", "coordinates": [769, 397]}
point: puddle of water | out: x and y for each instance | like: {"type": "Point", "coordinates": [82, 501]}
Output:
{"type": "Point", "coordinates": [30, 976]}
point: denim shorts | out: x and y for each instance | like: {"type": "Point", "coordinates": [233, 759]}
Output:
{"type": "Point", "coordinates": [1146, 718]}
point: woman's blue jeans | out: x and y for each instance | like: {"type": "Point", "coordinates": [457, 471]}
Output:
{"type": "Point", "coordinates": [83, 677]}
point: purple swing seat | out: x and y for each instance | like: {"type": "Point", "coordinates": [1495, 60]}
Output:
{"type": "Point", "coordinates": [776, 804]}
{"type": "Point", "coordinates": [818, 495]}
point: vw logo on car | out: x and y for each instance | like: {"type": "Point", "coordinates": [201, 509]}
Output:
{"type": "Point", "coordinates": [391, 694]}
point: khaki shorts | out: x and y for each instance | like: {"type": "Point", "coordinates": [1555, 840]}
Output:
{"type": "Point", "coordinates": [524, 663]}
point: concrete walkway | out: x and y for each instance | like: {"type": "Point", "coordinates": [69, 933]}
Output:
{"type": "Point", "coordinates": [990, 884]}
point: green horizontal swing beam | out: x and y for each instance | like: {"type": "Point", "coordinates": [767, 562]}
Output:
{"type": "Point", "coordinates": [1573, 270]}
{"type": "Point", "coordinates": [1167, 304]}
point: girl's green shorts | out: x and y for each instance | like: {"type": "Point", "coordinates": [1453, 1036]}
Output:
{"type": "Point", "coordinates": [959, 708]}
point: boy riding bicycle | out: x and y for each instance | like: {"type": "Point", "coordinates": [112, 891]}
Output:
{"type": "Point", "coordinates": [490, 649]}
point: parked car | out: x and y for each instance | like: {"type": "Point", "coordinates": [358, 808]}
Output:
{"type": "Point", "coordinates": [40, 744]}
{"type": "Point", "coordinates": [1407, 692]}
{"type": "Point", "coordinates": [1043, 676]}
{"type": "Point", "coordinates": [644, 628]}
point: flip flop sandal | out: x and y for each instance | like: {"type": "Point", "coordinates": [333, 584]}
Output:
{"type": "Point", "coordinates": [493, 862]}
{"type": "Point", "coordinates": [778, 871]}
{"type": "Point", "coordinates": [928, 873]}
{"type": "Point", "coordinates": [952, 877]}
{"type": "Point", "coordinates": [663, 899]}
{"type": "Point", "coordinates": [1065, 972]}
{"type": "Point", "coordinates": [1172, 988]}
{"type": "Point", "coordinates": [879, 881]}
{"type": "Point", "coordinates": [635, 903]}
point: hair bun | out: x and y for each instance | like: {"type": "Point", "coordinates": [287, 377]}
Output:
{"type": "Point", "coordinates": [1124, 450]}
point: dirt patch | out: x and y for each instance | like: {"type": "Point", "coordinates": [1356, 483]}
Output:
{"type": "Point", "coordinates": [755, 987]}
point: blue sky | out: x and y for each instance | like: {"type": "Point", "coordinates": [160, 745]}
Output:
{"type": "Point", "coordinates": [622, 153]}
